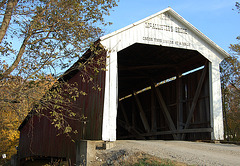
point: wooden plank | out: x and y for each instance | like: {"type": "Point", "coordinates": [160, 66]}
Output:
{"type": "Point", "coordinates": [199, 130]}
{"type": "Point", "coordinates": [153, 113]}
{"type": "Point", "coordinates": [179, 103]}
{"type": "Point", "coordinates": [196, 96]}
{"type": "Point", "coordinates": [133, 112]}
{"type": "Point", "coordinates": [142, 114]}
{"type": "Point", "coordinates": [207, 100]}
{"type": "Point", "coordinates": [164, 107]}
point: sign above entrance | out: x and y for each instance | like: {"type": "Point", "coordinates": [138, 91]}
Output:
{"type": "Point", "coordinates": [157, 29]}
{"type": "Point", "coordinates": [167, 28]}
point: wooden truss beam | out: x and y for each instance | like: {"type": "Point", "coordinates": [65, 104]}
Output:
{"type": "Point", "coordinates": [196, 96]}
{"type": "Point", "coordinates": [165, 109]}
{"type": "Point", "coordinates": [142, 114]}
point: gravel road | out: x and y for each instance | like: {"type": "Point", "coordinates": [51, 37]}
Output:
{"type": "Point", "coordinates": [192, 153]}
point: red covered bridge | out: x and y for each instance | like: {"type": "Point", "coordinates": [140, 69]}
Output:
{"type": "Point", "coordinates": [162, 81]}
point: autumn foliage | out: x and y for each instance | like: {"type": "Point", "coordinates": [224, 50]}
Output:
{"type": "Point", "coordinates": [39, 39]}
{"type": "Point", "coordinates": [230, 78]}
{"type": "Point", "coordinates": [17, 97]}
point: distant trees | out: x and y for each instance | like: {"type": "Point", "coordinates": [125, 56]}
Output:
{"type": "Point", "coordinates": [231, 97]}
{"type": "Point", "coordinates": [14, 109]}
{"type": "Point", "coordinates": [230, 78]}
{"type": "Point", "coordinates": [38, 39]}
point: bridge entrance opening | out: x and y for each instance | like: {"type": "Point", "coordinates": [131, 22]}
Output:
{"type": "Point", "coordinates": [163, 94]}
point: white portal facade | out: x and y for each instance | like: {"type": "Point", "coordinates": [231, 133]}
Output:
{"type": "Point", "coordinates": [165, 28]}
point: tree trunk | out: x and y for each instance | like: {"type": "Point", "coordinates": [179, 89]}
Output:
{"type": "Point", "coordinates": [7, 18]}
{"type": "Point", "coordinates": [17, 60]}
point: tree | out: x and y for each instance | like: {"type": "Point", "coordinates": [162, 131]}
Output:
{"type": "Point", "coordinates": [230, 79]}
{"type": "Point", "coordinates": [42, 36]}
{"type": "Point", "coordinates": [52, 33]}
{"type": "Point", "coordinates": [39, 37]}
{"type": "Point", "coordinates": [38, 40]}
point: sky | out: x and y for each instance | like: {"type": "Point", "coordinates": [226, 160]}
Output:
{"type": "Point", "coordinates": [217, 19]}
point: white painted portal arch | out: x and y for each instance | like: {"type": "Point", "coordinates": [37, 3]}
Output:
{"type": "Point", "coordinates": [165, 28]}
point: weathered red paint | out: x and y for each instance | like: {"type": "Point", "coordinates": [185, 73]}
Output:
{"type": "Point", "coordinates": [39, 138]}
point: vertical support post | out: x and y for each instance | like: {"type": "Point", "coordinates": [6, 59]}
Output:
{"type": "Point", "coordinates": [215, 102]}
{"type": "Point", "coordinates": [110, 99]}
{"type": "Point", "coordinates": [153, 112]}
{"type": "Point", "coordinates": [179, 104]}
{"type": "Point", "coordinates": [196, 96]}
{"type": "Point", "coordinates": [133, 112]}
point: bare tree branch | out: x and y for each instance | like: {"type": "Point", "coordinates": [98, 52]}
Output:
{"type": "Point", "coordinates": [17, 60]}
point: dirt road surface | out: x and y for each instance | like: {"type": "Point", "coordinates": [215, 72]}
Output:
{"type": "Point", "coordinates": [192, 153]}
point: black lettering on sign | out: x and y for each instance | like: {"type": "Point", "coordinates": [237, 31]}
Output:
{"type": "Point", "coordinates": [182, 43]}
{"type": "Point", "coordinates": [158, 40]}
{"type": "Point", "coordinates": [167, 28]}
{"type": "Point", "coordinates": [148, 38]}
{"type": "Point", "coordinates": [159, 27]}
{"type": "Point", "coordinates": [170, 42]}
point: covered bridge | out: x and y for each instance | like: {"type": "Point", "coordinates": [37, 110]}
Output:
{"type": "Point", "coordinates": [162, 82]}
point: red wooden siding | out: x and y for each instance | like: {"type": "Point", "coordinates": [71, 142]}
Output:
{"type": "Point", "coordinates": [39, 138]}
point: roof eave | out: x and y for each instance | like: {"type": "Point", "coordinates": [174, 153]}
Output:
{"type": "Point", "coordinates": [132, 25]}
{"type": "Point", "coordinates": [199, 33]}
{"type": "Point", "coordinates": [179, 18]}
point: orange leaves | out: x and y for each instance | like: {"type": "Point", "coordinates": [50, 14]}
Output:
{"type": "Point", "coordinates": [17, 97]}
{"type": "Point", "coordinates": [45, 37]}
{"type": "Point", "coordinates": [230, 79]}
{"type": "Point", "coordinates": [9, 134]}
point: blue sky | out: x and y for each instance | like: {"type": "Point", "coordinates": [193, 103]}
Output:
{"type": "Point", "coordinates": [214, 18]}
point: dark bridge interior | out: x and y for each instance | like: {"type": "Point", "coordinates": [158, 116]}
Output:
{"type": "Point", "coordinates": [163, 94]}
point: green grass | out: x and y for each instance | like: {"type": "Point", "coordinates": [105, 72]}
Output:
{"type": "Point", "coordinates": [148, 161]}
